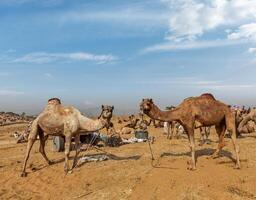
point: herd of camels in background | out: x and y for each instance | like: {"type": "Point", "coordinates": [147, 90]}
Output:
{"type": "Point", "coordinates": [200, 112]}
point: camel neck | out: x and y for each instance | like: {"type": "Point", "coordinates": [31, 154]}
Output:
{"type": "Point", "coordinates": [167, 116]}
{"type": "Point", "coordinates": [90, 124]}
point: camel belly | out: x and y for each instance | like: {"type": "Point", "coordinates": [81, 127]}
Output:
{"type": "Point", "coordinates": [50, 130]}
{"type": "Point", "coordinates": [208, 119]}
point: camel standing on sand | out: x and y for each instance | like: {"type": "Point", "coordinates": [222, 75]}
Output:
{"type": "Point", "coordinates": [65, 121]}
{"type": "Point", "coordinates": [195, 112]}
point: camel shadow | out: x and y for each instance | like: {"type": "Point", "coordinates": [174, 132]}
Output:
{"type": "Point", "coordinates": [110, 157]}
{"type": "Point", "coordinates": [200, 153]}
{"type": "Point", "coordinates": [249, 136]}
{"type": "Point", "coordinates": [42, 166]}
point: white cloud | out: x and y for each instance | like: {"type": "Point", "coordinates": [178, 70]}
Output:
{"type": "Point", "coordinates": [201, 83]}
{"type": "Point", "coordinates": [182, 81]}
{"type": "Point", "coordinates": [188, 45]}
{"type": "Point", "coordinates": [10, 93]}
{"type": "Point", "coordinates": [246, 31]}
{"type": "Point", "coordinates": [252, 50]}
{"type": "Point", "coordinates": [133, 14]}
{"type": "Point", "coordinates": [43, 58]}
{"type": "Point", "coordinates": [231, 86]}
{"type": "Point", "coordinates": [189, 19]}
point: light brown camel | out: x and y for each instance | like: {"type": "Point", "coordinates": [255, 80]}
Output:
{"type": "Point", "coordinates": [133, 121]}
{"type": "Point", "coordinates": [242, 128]}
{"type": "Point", "coordinates": [65, 121]}
{"type": "Point", "coordinates": [143, 124]}
{"type": "Point", "coordinates": [195, 112]}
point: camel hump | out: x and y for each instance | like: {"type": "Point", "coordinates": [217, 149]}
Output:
{"type": "Point", "coordinates": [208, 95]}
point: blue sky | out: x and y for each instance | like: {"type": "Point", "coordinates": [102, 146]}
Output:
{"type": "Point", "coordinates": [116, 52]}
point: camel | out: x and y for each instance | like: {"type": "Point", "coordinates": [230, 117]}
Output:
{"type": "Point", "coordinates": [143, 123]}
{"type": "Point", "coordinates": [169, 129]}
{"type": "Point", "coordinates": [195, 112]}
{"type": "Point", "coordinates": [65, 121]}
{"type": "Point", "coordinates": [204, 134]}
{"type": "Point", "coordinates": [132, 122]}
{"type": "Point", "coordinates": [169, 126]}
{"type": "Point", "coordinates": [242, 125]}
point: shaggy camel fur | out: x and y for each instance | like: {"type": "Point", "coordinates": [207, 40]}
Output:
{"type": "Point", "coordinates": [65, 121]}
{"type": "Point", "coordinates": [251, 116]}
{"type": "Point", "coordinates": [195, 112]}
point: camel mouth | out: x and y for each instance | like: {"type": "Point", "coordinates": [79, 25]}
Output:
{"type": "Point", "coordinates": [144, 110]}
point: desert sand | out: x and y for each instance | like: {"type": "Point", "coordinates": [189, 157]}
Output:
{"type": "Point", "coordinates": [130, 174]}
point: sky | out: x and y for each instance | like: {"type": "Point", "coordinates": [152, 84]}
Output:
{"type": "Point", "coordinates": [94, 52]}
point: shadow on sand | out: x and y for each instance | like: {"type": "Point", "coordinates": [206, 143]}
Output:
{"type": "Point", "coordinates": [111, 157]}
{"type": "Point", "coordinates": [201, 152]}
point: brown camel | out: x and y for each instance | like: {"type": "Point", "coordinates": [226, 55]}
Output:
{"type": "Point", "coordinates": [65, 121]}
{"type": "Point", "coordinates": [195, 112]}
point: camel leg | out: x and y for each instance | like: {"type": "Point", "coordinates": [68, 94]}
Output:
{"type": "Point", "coordinates": [67, 152]}
{"type": "Point", "coordinates": [202, 136]}
{"type": "Point", "coordinates": [192, 163]}
{"type": "Point", "coordinates": [31, 141]}
{"type": "Point", "coordinates": [207, 132]}
{"type": "Point", "coordinates": [77, 140]}
{"type": "Point", "coordinates": [168, 131]}
{"type": "Point", "coordinates": [220, 129]}
{"type": "Point", "coordinates": [233, 137]}
{"type": "Point", "coordinates": [177, 133]}
{"type": "Point", "coordinates": [42, 147]}
{"type": "Point", "coordinates": [231, 127]}
{"type": "Point", "coordinates": [172, 129]}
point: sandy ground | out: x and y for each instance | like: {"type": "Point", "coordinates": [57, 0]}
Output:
{"type": "Point", "coordinates": [129, 174]}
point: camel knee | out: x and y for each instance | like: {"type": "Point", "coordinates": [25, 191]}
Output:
{"type": "Point", "coordinates": [192, 147]}
{"type": "Point", "coordinates": [41, 150]}
{"type": "Point", "coordinates": [32, 137]}
{"type": "Point", "coordinates": [67, 152]}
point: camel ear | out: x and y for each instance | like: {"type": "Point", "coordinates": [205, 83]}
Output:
{"type": "Point", "coordinates": [112, 107]}
{"type": "Point", "coordinates": [151, 100]}
{"type": "Point", "coordinates": [102, 106]}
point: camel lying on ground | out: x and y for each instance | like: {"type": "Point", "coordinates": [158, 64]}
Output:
{"type": "Point", "coordinates": [243, 127]}
{"type": "Point", "coordinates": [195, 112]}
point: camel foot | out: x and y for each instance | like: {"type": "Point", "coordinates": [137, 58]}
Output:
{"type": "Point", "coordinates": [50, 162]}
{"type": "Point", "coordinates": [201, 143]}
{"type": "Point", "coordinates": [208, 141]}
{"type": "Point", "coordinates": [23, 174]}
{"type": "Point", "coordinates": [215, 155]}
{"type": "Point", "coordinates": [191, 166]}
{"type": "Point", "coordinates": [237, 166]}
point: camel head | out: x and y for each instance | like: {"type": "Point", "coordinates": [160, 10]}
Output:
{"type": "Point", "coordinates": [54, 101]}
{"type": "Point", "coordinates": [106, 112]}
{"type": "Point", "coordinates": [146, 105]}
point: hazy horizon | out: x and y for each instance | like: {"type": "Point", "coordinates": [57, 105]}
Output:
{"type": "Point", "coordinates": [90, 53]}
